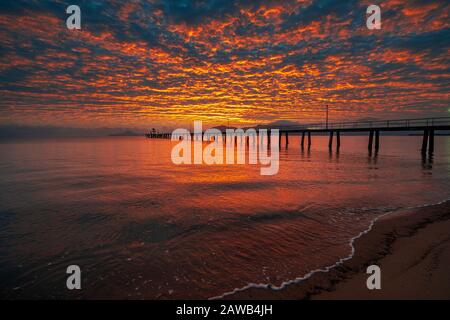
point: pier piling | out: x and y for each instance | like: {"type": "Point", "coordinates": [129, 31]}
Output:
{"type": "Point", "coordinates": [425, 141]}
{"type": "Point", "coordinates": [370, 141]}
{"type": "Point", "coordinates": [303, 140]}
{"type": "Point", "coordinates": [377, 140]}
{"type": "Point", "coordinates": [431, 144]}
{"type": "Point", "coordinates": [309, 140]}
{"type": "Point", "coordinates": [330, 141]}
{"type": "Point", "coordinates": [338, 140]}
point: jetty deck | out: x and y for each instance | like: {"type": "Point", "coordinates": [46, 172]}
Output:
{"type": "Point", "coordinates": [374, 129]}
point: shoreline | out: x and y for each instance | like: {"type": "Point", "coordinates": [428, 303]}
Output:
{"type": "Point", "coordinates": [411, 246]}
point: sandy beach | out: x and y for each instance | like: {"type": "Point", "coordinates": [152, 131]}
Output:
{"type": "Point", "coordinates": [412, 248]}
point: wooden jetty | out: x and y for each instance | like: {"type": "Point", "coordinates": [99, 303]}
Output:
{"type": "Point", "coordinates": [374, 129]}
{"type": "Point", "coordinates": [428, 126]}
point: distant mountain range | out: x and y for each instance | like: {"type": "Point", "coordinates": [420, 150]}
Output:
{"type": "Point", "coordinates": [15, 131]}
{"type": "Point", "coordinates": [283, 123]}
{"type": "Point", "coordinates": [224, 128]}
{"type": "Point", "coordinates": [127, 133]}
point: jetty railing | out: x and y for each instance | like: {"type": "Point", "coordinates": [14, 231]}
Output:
{"type": "Point", "coordinates": [373, 127]}
{"type": "Point", "coordinates": [367, 124]}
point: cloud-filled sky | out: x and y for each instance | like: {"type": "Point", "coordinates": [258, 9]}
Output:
{"type": "Point", "coordinates": [168, 62]}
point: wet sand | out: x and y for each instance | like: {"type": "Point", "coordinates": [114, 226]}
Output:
{"type": "Point", "coordinates": [412, 248]}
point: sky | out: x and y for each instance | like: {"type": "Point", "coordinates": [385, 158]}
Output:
{"type": "Point", "coordinates": [169, 62]}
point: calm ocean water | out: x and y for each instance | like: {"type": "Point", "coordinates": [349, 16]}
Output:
{"type": "Point", "coordinates": [141, 227]}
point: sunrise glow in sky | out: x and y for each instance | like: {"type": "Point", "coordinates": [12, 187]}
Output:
{"type": "Point", "coordinates": [141, 63]}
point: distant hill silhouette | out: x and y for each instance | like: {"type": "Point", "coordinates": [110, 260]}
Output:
{"type": "Point", "coordinates": [127, 133]}
{"type": "Point", "coordinates": [284, 123]}
{"type": "Point", "coordinates": [224, 128]}
{"type": "Point", "coordinates": [279, 123]}
{"type": "Point", "coordinates": [22, 132]}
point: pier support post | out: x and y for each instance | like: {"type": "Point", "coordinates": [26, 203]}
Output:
{"type": "Point", "coordinates": [269, 133]}
{"type": "Point", "coordinates": [425, 141]}
{"type": "Point", "coordinates": [377, 140]}
{"type": "Point", "coordinates": [431, 144]}
{"type": "Point", "coordinates": [279, 139]}
{"type": "Point", "coordinates": [338, 140]}
{"type": "Point", "coordinates": [309, 140]}
{"type": "Point", "coordinates": [287, 138]}
{"type": "Point", "coordinates": [330, 141]}
{"type": "Point", "coordinates": [370, 141]}
{"type": "Point", "coordinates": [303, 140]}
